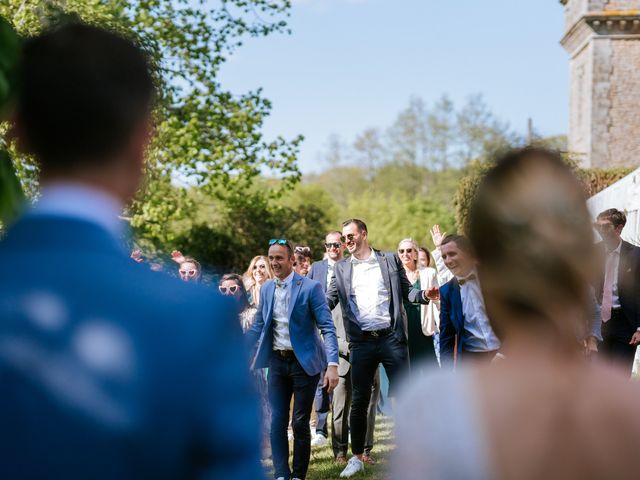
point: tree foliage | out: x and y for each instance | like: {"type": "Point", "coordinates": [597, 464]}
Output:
{"type": "Point", "coordinates": [207, 140]}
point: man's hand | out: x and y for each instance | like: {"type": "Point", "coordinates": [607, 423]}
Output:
{"type": "Point", "coordinates": [437, 236]}
{"type": "Point", "coordinates": [590, 346]}
{"type": "Point", "coordinates": [330, 378]}
{"type": "Point", "coordinates": [433, 294]}
{"type": "Point", "coordinates": [635, 340]}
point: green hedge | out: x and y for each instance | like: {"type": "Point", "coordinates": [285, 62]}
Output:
{"type": "Point", "coordinates": [593, 180]}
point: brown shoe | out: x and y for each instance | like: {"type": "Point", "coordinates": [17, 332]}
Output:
{"type": "Point", "coordinates": [341, 460]}
{"type": "Point", "coordinates": [368, 459]}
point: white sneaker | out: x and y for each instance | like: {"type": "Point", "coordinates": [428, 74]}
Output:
{"type": "Point", "coordinates": [354, 466]}
{"type": "Point", "coordinates": [319, 441]}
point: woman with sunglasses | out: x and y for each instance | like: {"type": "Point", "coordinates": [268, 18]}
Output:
{"type": "Point", "coordinates": [419, 330]}
{"type": "Point", "coordinates": [231, 284]}
{"type": "Point", "coordinates": [257, 274]}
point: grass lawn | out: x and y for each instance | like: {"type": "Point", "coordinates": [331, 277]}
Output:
{"type": "Point", "coordinates": [322, 466]}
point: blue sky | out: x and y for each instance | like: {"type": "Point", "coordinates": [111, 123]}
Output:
{"type": "Point", "coordinates": [353, 64]}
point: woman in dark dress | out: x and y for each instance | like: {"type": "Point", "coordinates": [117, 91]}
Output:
{"type": "Point", "coordinates": [421, 350]}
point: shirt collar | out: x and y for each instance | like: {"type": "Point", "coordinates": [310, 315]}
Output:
{"type": "Point", "coordinates": [617, 249]}
{"type": "Point", "coordinates": [330, 262]}
{"type": "Point", "coordinates": [78, 201]}
{"type": "Point", "coordinates": [371, 259]}
{"type": "Point", "coordinates": [287, 280]}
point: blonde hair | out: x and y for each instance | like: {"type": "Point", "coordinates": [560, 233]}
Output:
{"type": "Point", "coordinates": [413, 244]}
{"type": "Point", "coordinates": [249, 282]}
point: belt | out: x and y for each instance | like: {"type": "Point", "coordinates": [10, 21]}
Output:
{"type": "Point", "coordinates": [377, 333]}
{"type": "Point", "coordinates": [285, 353]}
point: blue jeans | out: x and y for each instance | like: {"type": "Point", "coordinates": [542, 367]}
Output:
{"type": "Point", "coordinates": [287, 378]}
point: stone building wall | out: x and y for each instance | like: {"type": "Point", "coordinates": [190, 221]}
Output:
{"type": "Point", "coordinates": [603, 41]}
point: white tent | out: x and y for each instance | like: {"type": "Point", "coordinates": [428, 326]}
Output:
{"type": "Point", "coordinates": [623, 195]}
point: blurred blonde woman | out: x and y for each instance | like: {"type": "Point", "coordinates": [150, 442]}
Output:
{"type": "Point", "coordinates": [543, 411]}
{"type": "Point", "coordinates": [420, 321]}
{"type": "Point", "coordinates": [257, 274]}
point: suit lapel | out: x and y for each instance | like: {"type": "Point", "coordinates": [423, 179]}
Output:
{"type": "Point", "coordinates": [625, 248]}
{"type": "Point", "coordinates": [296, 284]}
{"type": "Point", "coordinates": [457, 296]}
{"type": "Point", "coordinates": [270, 298]}
{"type": "Point", "coordinates": [346, 275]}
{"type": "Point", "coordinates": [384, 267]}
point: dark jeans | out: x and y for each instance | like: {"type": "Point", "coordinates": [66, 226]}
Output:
{"type": "Point", "coordinates": [322, 404]}
{"type": "Point", "coordinates": [287, 378]}
{"type": "Point", "coordinates": [616, 335]}
{"type": "Point", "coordinates": [365, 357]}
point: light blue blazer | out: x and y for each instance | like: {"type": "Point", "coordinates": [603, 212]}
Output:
{"type": "Point", "coordinates": [309, 315]}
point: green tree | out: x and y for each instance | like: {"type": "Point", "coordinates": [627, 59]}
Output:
{"type": "Point", "coordinates": [207, 139]}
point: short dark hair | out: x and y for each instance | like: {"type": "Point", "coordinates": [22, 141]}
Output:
{"type": "Point", "coordinates": [83, 92]}
{"type": "Point", "coordinates": [303, 250]}
{"type": "Point", "coordinates": [461, 242]}
{"type": "Point", "coordinates": [359, 223]}
{"type": "Point", "coordinates": [284, 243]}
{"type": "Point", "coordinates": [615, 216]}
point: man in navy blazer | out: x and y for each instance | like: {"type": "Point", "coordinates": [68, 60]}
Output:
{"type": "Point", "coordinates": [465, 330]}
{"type": "Point", "coordinates": [618, 290]}
{"type": "Point", "coordinates": [285, 334]}
{"type": "Point", "coordinates": [108, 370]}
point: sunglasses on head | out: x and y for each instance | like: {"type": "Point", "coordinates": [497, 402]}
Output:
{"type": "Point", "coordinates": [279, 241]}
{"type": "Point", "coordinates": [402, 250]}
{"type": "Point", "coordinates": [332, 245]}
{"type": "Point", "coordinates": [228, 290]}
{"type": "Point", "coordinates": [306, 251]}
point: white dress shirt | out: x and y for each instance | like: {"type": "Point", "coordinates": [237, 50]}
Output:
{"type": "Point", "coordinates": [82, 202]}
{"type": "Point", "coordinates": [281, 297]}
{"type": "Point", "coordinates": [478, 335]}
{"type": "Point", "coordinates": [369, 296]}
{"type": "Point", "coordinates": [613, 263]}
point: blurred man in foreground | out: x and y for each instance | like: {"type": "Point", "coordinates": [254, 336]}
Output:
{"type": "Point", "coordinates": [109, 370]}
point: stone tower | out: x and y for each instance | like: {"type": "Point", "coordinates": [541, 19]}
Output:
{"type": "Point", "coordinates": [603, 39]}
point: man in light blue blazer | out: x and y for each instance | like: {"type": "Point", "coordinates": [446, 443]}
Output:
{"type": "Point", "coordinates": [108, 370]}
{"type": "Point", "coordinates": [285, 335]}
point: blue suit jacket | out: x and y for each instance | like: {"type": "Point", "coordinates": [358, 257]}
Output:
{"type": "Point", "coordinates": [451, 321]}
{"type": "Point", "coordinates": [308, 313]}
{"type": "Point", "coordinates": [109, 370]}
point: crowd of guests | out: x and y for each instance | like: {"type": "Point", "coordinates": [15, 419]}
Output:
{"type": "Point", "coordinates": [412, 311]}
{"type": "Point", "coordinates": [491, 342]}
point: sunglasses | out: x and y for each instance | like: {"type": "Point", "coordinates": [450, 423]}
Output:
{"type": "Point", "coordinates": [402, 250]}
{"type": "Point", "coordinates": [332, 245]}
{"type": "Point", "coordinates": [306, 251]}
{"type": "Point", "coordinates": [188, 273]}
{"type": "Point", "coordinates": [349, 237]}
{"type": "Point", "coordinates": [279, 241]}
{"type": "Point", "coordinates": [228, 290]}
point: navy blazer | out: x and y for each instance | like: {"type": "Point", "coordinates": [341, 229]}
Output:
{"type": "Point", "coordinates": [308, 313]}
{"type": "Point", "coordinates": [398, 286]}
{"type": "Point", "coordinates": [451, 321]}
{"type": "Point", "coordinates": [109, 370]}
{"type": "Point", "coordinates": [628, 282]}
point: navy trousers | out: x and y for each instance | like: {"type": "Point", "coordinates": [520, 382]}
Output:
{"type": "Point", "coordinates": [287, 378]}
